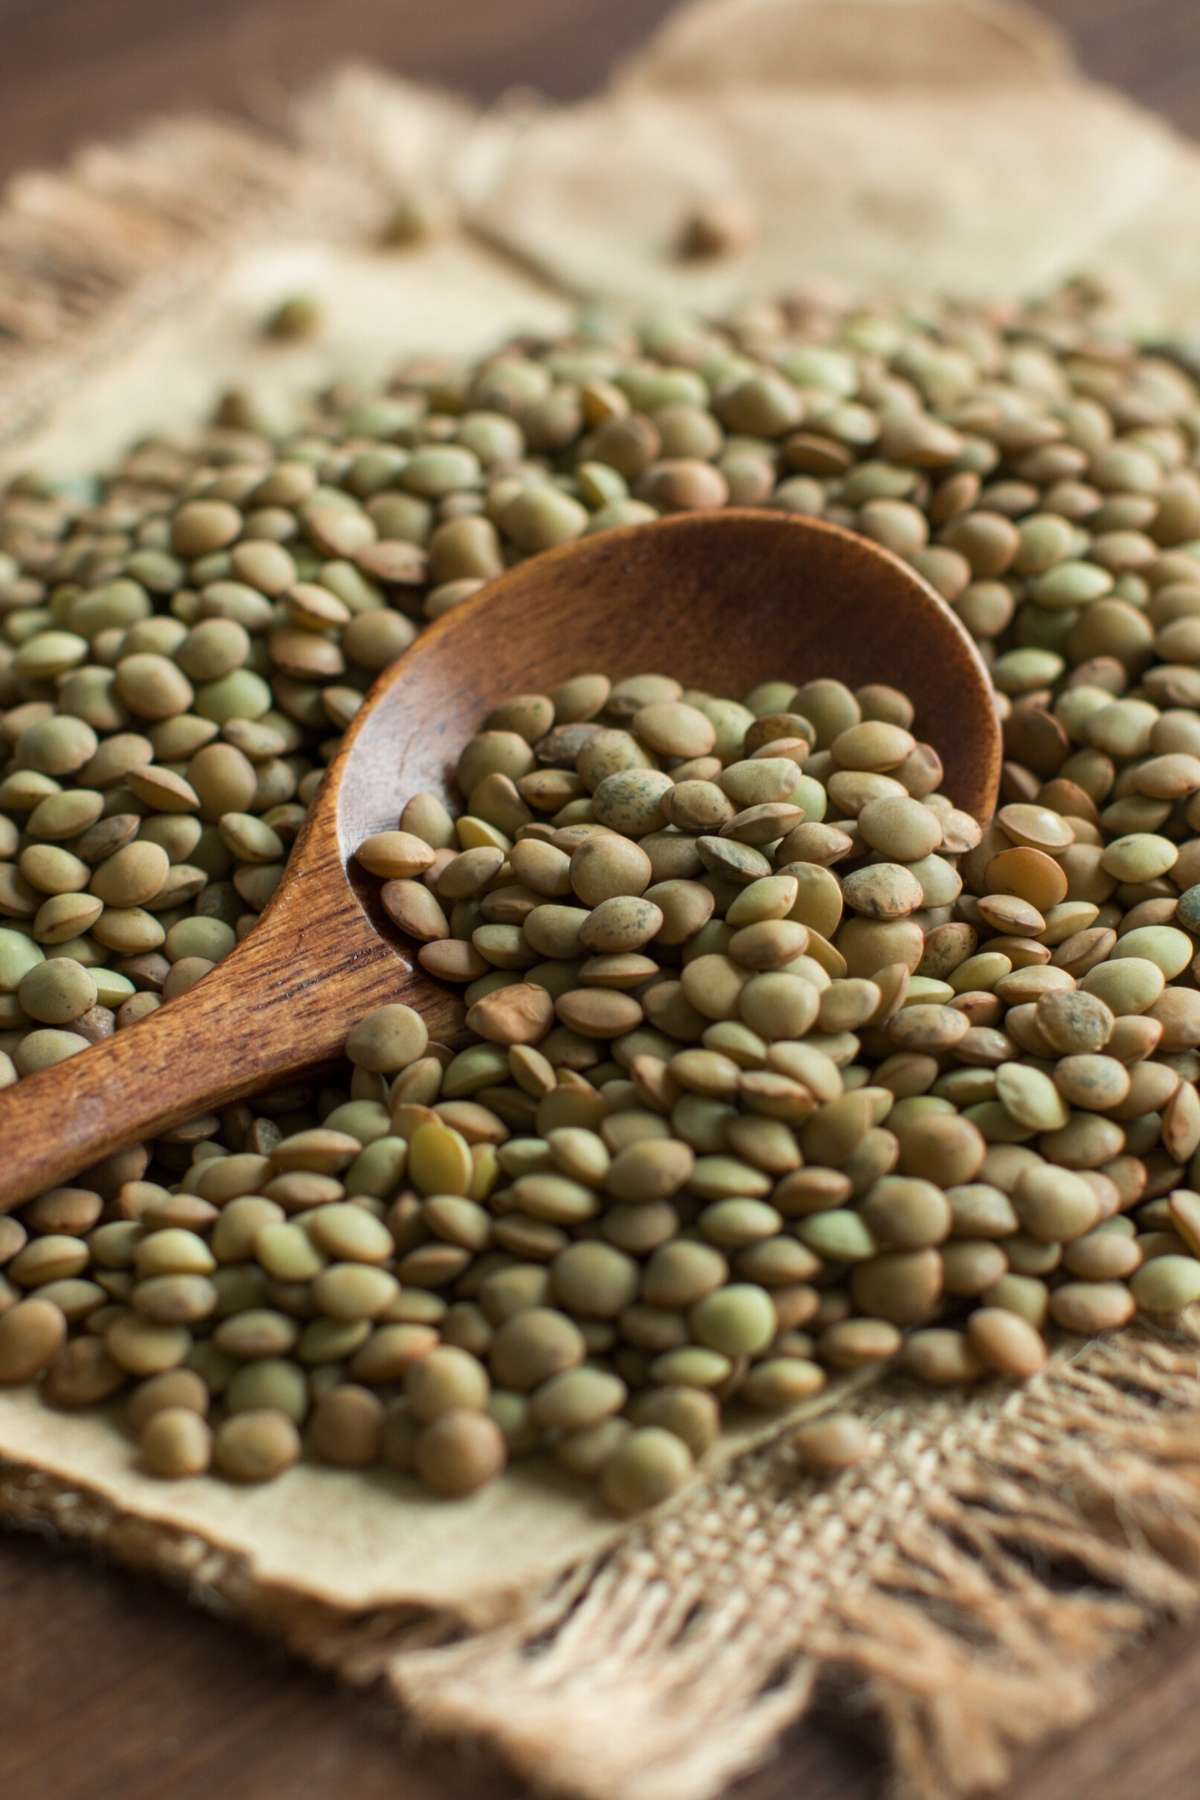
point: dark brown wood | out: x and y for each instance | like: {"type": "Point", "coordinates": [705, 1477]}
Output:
{"type": "Point", "coordinates": [185, 1695]}
{"type": "Point", "coordinates": [111, 1688]}
{"type": "Point", "coordinates": [721, 600]}
{"type": "Point", "coordinates": [77, 69]}
{"type": "Point", "coordinates": [281, 1004]}
{"type": "Point", "coordinates": [73, 70]}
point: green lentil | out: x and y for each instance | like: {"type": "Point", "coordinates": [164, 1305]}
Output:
{"type": "Point", "coordinates": [814, 908]}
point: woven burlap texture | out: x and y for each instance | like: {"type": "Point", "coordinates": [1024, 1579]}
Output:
{"type": "Point", "coordinates": [942, 1582]}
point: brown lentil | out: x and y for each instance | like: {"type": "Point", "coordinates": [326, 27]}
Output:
{"type": "Point", "coordinates": [780, 897]}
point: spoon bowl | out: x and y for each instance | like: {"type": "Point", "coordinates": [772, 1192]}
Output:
{"type": "Point", "coordinates": [722, 600]}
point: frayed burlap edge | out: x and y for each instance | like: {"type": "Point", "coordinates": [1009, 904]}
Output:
{"type": "Point", "coordinates": [92, 254]}
{"type": "Point", "coordinates": [973, 1583]}
{"type": "Point", "coordinates": [89, 254]}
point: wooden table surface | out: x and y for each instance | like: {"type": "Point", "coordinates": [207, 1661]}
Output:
{"type": "Point", "coordinates": [110, 1687]}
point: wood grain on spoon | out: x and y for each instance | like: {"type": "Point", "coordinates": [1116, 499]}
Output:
{"type": "Point", "coordinates": [719, 600]}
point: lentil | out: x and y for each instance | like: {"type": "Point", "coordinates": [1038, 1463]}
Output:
{"type": "Point", "coordinates": [1004, 1011]}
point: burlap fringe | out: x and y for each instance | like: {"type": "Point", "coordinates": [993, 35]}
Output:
{"type": "Point", "coordinates": [90, 254]}
{"type": "Point", "coordinates": [972, 1584]}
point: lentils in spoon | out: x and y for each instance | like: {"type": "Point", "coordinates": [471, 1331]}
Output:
{"type": "Point", "coordinates": [182, 644]}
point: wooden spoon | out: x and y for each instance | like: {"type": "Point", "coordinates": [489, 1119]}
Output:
{"type": "Point", "coordinates": [721, 600]}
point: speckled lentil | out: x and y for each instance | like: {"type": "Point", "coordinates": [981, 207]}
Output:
{"type": "Point", "coordinates": [181, 645]}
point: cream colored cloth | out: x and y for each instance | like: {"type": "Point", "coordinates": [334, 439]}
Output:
{"type": "Point", "coordinates": [879, 146]}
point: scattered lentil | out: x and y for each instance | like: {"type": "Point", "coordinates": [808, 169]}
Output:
{"type": "Point", "coordinates": [796, 919]}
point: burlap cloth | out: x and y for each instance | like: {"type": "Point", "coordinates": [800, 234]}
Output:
{"type": "Point", "coordinates": [979, 1577]}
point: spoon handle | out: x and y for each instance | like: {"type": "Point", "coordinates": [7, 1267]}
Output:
{"type": "Point", "coordinates": [279, 1004]}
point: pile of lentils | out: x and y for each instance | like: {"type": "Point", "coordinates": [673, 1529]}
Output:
{"type": "Point", "coordinates": [777, 1065]}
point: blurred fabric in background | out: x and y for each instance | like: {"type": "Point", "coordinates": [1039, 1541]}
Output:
{"type": "Point", "coordinates": [76, 69]}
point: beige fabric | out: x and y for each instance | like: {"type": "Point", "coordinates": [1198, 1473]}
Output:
{"type": "Point", "coordinates": [881, 144]}
{"type": "Point", "coordinates": [176, 289]}
{"type": "Point", "coordinates": [940, 1580]}
{"type": "Point", "coordinates": [342, 1538]}
{"type": "Point", "coordinates": [884, 144]}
